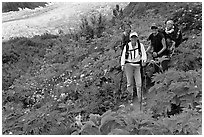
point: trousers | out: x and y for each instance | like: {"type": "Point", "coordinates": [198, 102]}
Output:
{"type": "Point", "coordinates": [133, 73]}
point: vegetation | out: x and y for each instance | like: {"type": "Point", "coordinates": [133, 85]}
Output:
{"type": "Point", "coordinates": [68, 84]}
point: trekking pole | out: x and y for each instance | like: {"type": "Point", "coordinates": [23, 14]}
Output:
{"type": "Point", "coordinates": [120, 86]}
{"type": "Point", "coordinates": [172, 53]}
{"type": "Point", "coordinates": [141, 71]}
{"type": "Point", "coordinates": [118, 94]}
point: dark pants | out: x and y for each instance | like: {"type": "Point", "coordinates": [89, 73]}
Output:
{"type": "Point", "coordinates": [169, 42]}
{"type": "Point", "coordinates": [164, 66]}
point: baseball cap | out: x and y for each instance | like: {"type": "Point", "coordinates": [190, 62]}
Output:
{"type": "Point", "coordinates": [133, 34]}
{"type": "Point", "coordinates": [170, 22]}
{"type": "Point", "coordinates": [154, 26]}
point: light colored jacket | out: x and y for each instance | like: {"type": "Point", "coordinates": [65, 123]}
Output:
{"type": "Point", "coordinates": [133, 55]}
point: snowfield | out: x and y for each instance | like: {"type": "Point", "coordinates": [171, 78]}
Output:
{"type": "Point", "coordinates": [52, 18]}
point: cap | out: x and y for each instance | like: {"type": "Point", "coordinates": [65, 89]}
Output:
{"type": "Point", "coordinates": [133, 34]}
{"type": "Point", "coordinates": [170, 22]}
{"type": "Point", "coordinates": [154, 26]}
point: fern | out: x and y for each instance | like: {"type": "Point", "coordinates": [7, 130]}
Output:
{"type": "Point", "coordinates": [175, 87]}
{"type": "Point", "coordinates": [119, 132]}
{"type": "Point", "coordinates": [48, 80]}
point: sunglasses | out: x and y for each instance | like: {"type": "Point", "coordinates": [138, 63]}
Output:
{"type": "Point", "coordinates": [134, 36]}
{"type": "Point", "coordinates": [154, 27]}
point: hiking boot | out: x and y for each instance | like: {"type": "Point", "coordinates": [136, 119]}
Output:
{"type": "Point", "coordinates": [143, 101]}
{"type": "Point", "coordinates": [130, 98]}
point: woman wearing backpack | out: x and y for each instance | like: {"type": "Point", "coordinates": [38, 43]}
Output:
{"type": "Point", "coordinates": [133, 56]}
{"type": "Point", "coordinates": [170, 31]}
{"type": "Point", "coordinates": [173, 34]}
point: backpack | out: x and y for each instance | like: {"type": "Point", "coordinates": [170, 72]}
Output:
{"type": "Point", "coordinates": [140, 53]}
{"type": "Point", "coordinates": [176, 36]}
{"type": "Point", "coordinates": [127, 48]}
{"type": "Point", "coordinates": [125, 41]}
{"type": "Point", "coordinates": [179, 38]}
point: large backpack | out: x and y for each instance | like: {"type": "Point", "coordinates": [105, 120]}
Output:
{"type": "Point", "coordinates": [127, 48]}
{"type": "Point", "coordinates": [125, 41]}
{"type": "Point", "coordinates": [179, 37]}
{"type": "Point", "coordinates": [176, 36]}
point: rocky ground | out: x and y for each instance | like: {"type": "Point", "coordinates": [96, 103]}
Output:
{"type": "Point", "coordinates": [55, 16]}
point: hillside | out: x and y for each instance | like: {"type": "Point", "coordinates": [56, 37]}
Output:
{"type": "Point", "coordinates": [69, 83]}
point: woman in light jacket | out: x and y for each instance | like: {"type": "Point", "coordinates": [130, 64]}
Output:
{"type": "Point", "coordinates": [132, 54]}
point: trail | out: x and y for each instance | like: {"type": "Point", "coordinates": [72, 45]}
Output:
{"type": "Point", "coordinates": [59, 15]}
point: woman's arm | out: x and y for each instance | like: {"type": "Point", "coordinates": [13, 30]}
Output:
{"type": "Point", "coordinates": [144, 54]}
{"type": "Point", "coordinates": [123, 56]}
{"type": "Point", "coordinates": [149, 48]}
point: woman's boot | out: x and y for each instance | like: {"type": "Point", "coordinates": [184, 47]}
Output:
{"type": "Point", "coordinates": [139, 94]}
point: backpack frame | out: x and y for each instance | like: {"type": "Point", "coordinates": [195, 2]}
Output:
{"type": "Point", "coordinates": [127, 48]}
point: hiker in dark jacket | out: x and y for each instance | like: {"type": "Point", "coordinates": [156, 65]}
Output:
{"type": "Point", "coordinates": [116, 11]}
{"type": "Point", "coordinates": [117, 14]}
{"type": "Point", "coordinates": [158, 44]}
{"type": "Point", "coordinates": [125, 36]}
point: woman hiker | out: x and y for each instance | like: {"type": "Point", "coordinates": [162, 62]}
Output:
{"type": "Point", "coordinates": [133, 56]}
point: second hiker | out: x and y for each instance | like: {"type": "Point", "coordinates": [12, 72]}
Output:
{"type": "Point", "coordinates": [158, 44]}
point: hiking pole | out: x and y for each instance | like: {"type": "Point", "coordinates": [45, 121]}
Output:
{"type": "Point", "coordinates": [141, 71]}
{"type": "Point", "coordinates": [120, 86]}
{"type": "Point", "coordinates": [172, 53]}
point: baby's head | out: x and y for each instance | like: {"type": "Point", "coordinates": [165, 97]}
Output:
{"type": "Point", "coordinates": [169, 24]}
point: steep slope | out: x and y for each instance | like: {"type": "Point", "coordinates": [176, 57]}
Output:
{"type": "Point", "coordinates": [69, 84]}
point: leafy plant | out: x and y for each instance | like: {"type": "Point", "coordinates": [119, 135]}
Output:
{"type": "Point", "coordinates": [189, 17]}
{"type": "Point", "coordinates": [177, 87]}
{"type": "Point", "coordinates": [50, 80]}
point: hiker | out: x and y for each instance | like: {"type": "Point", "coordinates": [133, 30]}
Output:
{"type": "Point", "coordinates": [133, 56]}
{"type": "Point", "coordinates": [170, 35]}
{"type": "Point", "coordinates": [158, 44]}
{"type": "Point", "coordinates": [173, 35]}
{"type": "Point", "coordinates": [116, 11]}
{"type": "Point", "coordinates": [125, 36]}
{"type": "Point", "coordinates": [117, 15]}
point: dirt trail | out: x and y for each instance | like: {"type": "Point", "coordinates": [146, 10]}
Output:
{"type": "Point", "coordinates": [61, 15]}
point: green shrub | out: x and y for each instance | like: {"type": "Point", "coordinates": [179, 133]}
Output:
{"type": "Point", "coordinates": [93, 26]}
{"type": "Point", "coordinates": [49, 81]}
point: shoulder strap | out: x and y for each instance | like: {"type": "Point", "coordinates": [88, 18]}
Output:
{"type": "Point", "coordinates": [126, 52]}
{"type": "Point", "coordinates": [139, 48]}
{"type": "Point", "coordinates": [140, 53]}
{"type": "Point", "coordinates": [127, 47]}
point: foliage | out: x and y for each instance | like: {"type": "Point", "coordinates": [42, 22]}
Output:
{"type": "Point", "coordinates": [140, 9]}
{"type": "Point", "coordinates": [177, 87]}
{"type": "Point", "coordinates": [188, 55]}
{"type": "Point", "coordinates": [189, 17]}
{"type": "Point", "coordinates": [137, 123]}
{"type": "Point", "coordinates": [93, 26]}
{"type": "Point", "coordinates": [69, 84]}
